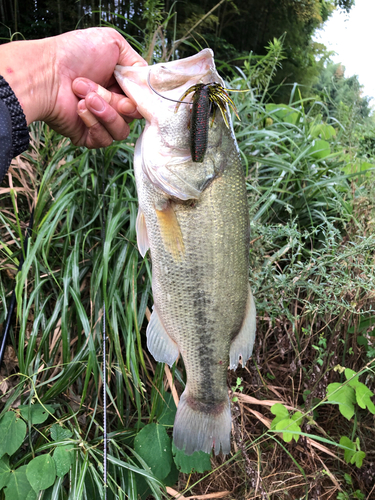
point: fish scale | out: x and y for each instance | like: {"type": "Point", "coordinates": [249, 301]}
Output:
{"type": "Point", "coordinates": [194, 219]}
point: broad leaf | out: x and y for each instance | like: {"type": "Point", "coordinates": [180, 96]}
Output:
{"type": "Point", "coordinates": [199, 461]}
{"type": "Point", "coordinates": [63, 456]}
{"type": "Point", "coordinates": [12, 432]}
{"type": "Point", "coordinates": [154, 445]}
{"type": "Point", "coordinates": [41, 472]}
{"type": "Point", "coordinates": [18, 487]}
{"type": "Point", "coordinates": [357, 458]}
{"type": "Point", "coordinates": [344, 396]}
{"type": "Point", "coordinates": [362, 392]}
{"type": "Point", "coordinates": [363, 395]}
{"type": "Point", "coordinates": [319, 149]}
{"type": "Point", "coordinates": [345, 441]}
{"type": "Point", "coordinates": [297, 417]}
{"type": "Point", "coordinates": [281, 413]}
{"type": "Point", "coordinates": [288, 425]}
{"type": "Point", "coordinates": [172, 477]}
{"type": "Point", "coordinates": [169, 410]}
{"type": "Point", "coordinates": [354, 453]}
{"type": "Point", "coordinates": [351, 376]}
{"type": "Point", "coordinates": [59, 433]}
{"type": "Point", "coordinates": [4, 471]}
{"type": "Point", "coordinates": [36, 412]}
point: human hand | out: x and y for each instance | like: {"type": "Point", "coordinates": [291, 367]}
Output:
{"type": "Point", "coordinates": [62, 69]}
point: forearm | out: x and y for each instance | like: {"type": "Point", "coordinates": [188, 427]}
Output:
{"type": "Point", "coordinates": [24, 65]}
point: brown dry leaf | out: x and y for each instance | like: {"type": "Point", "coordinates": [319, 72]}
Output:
{"type": "Point", "coordinates": [10, 358]}
{"type": "Point", "coordinates": [175, 494]}
{"type": "Point", "coordinates": [219, 494]}
{"type": "Point", "coordinates": [3, 384]}
{"type": "Point", "coordinates": [264, 402]}
{"type": "Point", "coordinates": [171, 385]}
{"type": "Point", "coordinates": [148, 314]}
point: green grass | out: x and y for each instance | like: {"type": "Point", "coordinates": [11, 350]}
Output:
{"type": "Point", "coordinates": [311, 271]}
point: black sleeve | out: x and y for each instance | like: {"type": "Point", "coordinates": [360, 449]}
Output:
{"type": "Point", "coordinates": [14, 136]}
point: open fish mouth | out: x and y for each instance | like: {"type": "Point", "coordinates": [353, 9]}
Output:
{"type": "Point", "coordinates": [197, 68]}
{"type": "Point", "coordinates": [171, 78]}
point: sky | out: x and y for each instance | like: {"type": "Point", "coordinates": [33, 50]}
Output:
{"type": "Point", "coordinates": [352, 37]}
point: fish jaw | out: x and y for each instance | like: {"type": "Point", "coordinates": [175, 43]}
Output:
{"type": "Point", "coordinates": [171, 79]}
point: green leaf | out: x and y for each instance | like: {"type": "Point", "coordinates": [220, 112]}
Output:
{"type": "Point", "coordinates": [59, 433]}
{"type": "Point", "coordinates": [325, 131]}
{"type": "Point", "coordinates": [172, 477]}
{"type": "Point", "coordinates": [362, 392]}
{"type": "Point", "coordinates": [319, 149]}
{"type": "Point", "coordinates": [63, 456]}
{"type": "Point", "coordinates": [18, 487]}
{"type": "Point", "coordinates": [285, 425]}
{"type": "Point", "coordinates": [36, 412]}
{"type": "Point", "coordinates": [354, 453]}
{"type": "Point", "coordinates": [41, 472]}
{"type": "Point", "coordinates": [345, 441]}
{"type": "Point", "coordinates": [283, 112]}
{"type": "Point", "coordinates": [169, 411]}
{"type": "Point", "coordinates": [344, 396]}
{"type": "Point", "coordinates": [4, 472]}
{"type": "Point", "coordinates": [351, 376]}
{"type": "Point", "coordinates": [281, 413]}
{"type": "Point", "coordinates": [197, 462]}
{"type": "Point", "coordinates": [363, 395]}
{"type": "Point", "coordinates": [154, 445]}
{"type": "Point", "coordinates": [357, 458]}
{"type": "Point", "coordinates": [13, 432]}
{"type": "Point", "coordinates": [297, 417]}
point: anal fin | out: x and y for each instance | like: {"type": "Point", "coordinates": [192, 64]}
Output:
{"type": "Point", "coordinates": [159, 343]}
{"type": "Point", "coordinates": [242, 345]}
{"type": "Point", "coordinates": [141, 229]}
{"type": "Point", "coordinates": [170, 230]}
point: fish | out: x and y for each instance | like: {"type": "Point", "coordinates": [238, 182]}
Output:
{"type": "Point", "coordinates": [193, 217]}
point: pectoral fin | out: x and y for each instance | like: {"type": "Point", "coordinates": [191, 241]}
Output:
{"type": "Point", "coordinates": [170, 230]}
{"type": "Point", "coordinates": [142, 237]}
{"type": "Point", "coordinates": [242, 344]}
{"type": "Point", "coordinates": [159, 343]}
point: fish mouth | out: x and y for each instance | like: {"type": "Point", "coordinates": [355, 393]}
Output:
{"type": "Point", "coordinates": [199, 68]}
{"type": "Point", "coordinates": [170, 76]}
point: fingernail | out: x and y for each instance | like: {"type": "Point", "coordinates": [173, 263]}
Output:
{"type": "Point", "coordinates": [88, 118]}
{"type": "Point", "coordinates": [104, 94]}
{"type": "Point", "coordinates": [82, 88]}
{"type": "Point", "coordinates": [96, 102]}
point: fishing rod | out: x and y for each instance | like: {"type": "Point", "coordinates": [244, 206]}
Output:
{"type": "Point", "coordinates": [104, 340]}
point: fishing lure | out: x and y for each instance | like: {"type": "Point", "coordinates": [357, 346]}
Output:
{"type": "Point", "coordinates": [205, 96]}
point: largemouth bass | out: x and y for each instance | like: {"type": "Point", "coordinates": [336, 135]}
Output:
{"type": "Point", "coordinates": [193, 216]}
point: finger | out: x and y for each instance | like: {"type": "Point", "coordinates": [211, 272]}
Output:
{"type": "Point", "coordinates": [123, 105]}
{"type": "Point", "coordinates": [107, 116]}
{"type": "Point", "coordinates": [128, 56]}
{"type": "Point", "coordinates": [96, 135]}
{"type": "Point", "coordinates": [86, 116]}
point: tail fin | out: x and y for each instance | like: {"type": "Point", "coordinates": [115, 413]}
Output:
{"type": "Point", "coordinates": [198, 430]}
